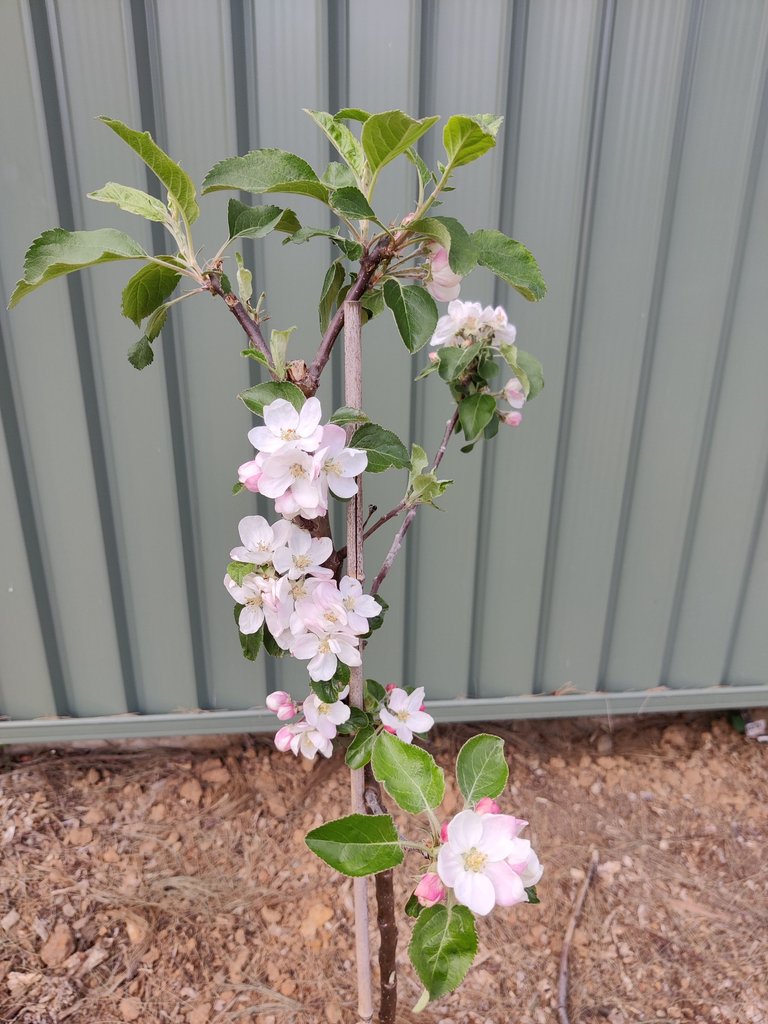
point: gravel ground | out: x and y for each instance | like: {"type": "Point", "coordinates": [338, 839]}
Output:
{"type": "Point", "coordinates": [173, 884]}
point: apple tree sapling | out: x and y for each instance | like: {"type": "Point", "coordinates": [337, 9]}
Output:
{"type": "Point", "coordinates": [297, 590]}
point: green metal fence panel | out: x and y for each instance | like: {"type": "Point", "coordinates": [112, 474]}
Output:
{"type": "Point", "coordinates": [611, 555]}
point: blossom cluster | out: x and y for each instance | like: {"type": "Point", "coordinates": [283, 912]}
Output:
{"type": "Point", "coordinates": [468, 322]}
{"type": "Point", "coordinates": [299, 461]}
{"type": "Point", "coordinates": [318, 720]}
{"type": "Point", "coordinates": [305, 610]}
{"type": "Point", "coordinates": [483, 860]}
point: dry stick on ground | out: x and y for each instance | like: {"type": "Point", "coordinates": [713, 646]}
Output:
{"type": "Point", "coordinates": [562, 983]}
{"type": "Point", "coordinates": [406, 524]}
{"type": "Point", "coordinates": [353, 396]}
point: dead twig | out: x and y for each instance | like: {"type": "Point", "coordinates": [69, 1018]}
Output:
{"type": "Point", "coordinates": [562, 982]}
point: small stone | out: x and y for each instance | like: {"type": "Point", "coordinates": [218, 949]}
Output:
{"type": "Point", "coordinates": [130, 1008]}
{"type": "Point", "coordinates": [333, 1013]}
{"type": "Point", "coordinates": [11, 918]}
{"type": "Point", "coordinates": [317, 915]}
{"type": "Point", "coordinates": [604, 744]}
{"type": "Point", "coordinates": [200, 1015]}
{"type": "Point", "coordinates": [58, 947]}
{"type": "Point", "coordinates": [191, 790]}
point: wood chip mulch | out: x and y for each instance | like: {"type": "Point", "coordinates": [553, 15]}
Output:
{"type": "Point", "coordinates": [172, 885]}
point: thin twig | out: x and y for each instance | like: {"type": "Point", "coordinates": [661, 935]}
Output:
{"type": "Point", "coordinates": [240, 313]}
{"type": "Point", "coordinates": [562, 984]}
{"type": "Point", "coordinates": [353, 396]}
{"type": "Point", "coordinates": [406, 524]}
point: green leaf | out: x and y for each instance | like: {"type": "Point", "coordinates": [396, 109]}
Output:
{"type": "Point", "coordinates": [236, 488]}
{"type": "Point", "coordinates": [244, 284]}
{"type": "Point", "coordinates": [409, 774]}
{"type": "Point", "coordinates": [453, 360]}
{"type": "Point", "coordinates": [385, 449]}
{"type": "Point", "coordinates": [179, 184]}
{"type": "Point", "coordinates": [419, 461]}
{"type": "Point", "coordinates": [442, 947]}
{"type": "Point", "coordinates": [257, 221]}
{"type": "Point", "coordinates": [253, 353]}
{"type": "Point", "coordinates": [425, 175]}
{"type": "Point", "coordinates": [141, 355]}
{"type": "Point", "coordinates": [278, 344]}
{"type": "Point", "coordinates": [329, 293]}
{"type": "Point", "coordinates": [475, 412]}
{"type": "Point", "coordinates": [350, 202]}
{"type": "Point", "coordinates": [512, 262]}
{"type": "Point", "coordinates": [429, 368]}
{"type": "Point", "coordinates": [266, 170]}
{"type": "Point", "coordinates": [352, 114]}
{"type": "Point", "coordinates": [57, 252]}
{"type": "Point", "coordinates": [341, 139]}
{"type": "Point", "coordinates": [237, 571]}
{"type": "Point", "coordinates": [481, 768]}
{"type": "Point", "coordinates": [530, 891]}
{"type": "Point", "coordinates": [413, 908]}
{"type": "Point", "coordinates": [453, 236]}
{"type": "Point", "coordinates": [257, 397]}
{"type": "Point", "coordinates": [414, 311]}
{"type": "Point", "coordinates": [467, 138]}
{"type": "Point", "coordinates": [271, 645]}
{"type": "Point", "coordinates": [374, 694]}
{"type": "Point", "coordinates": [342, 675]}
{"type": "Point", "coordinates": [346, 415]}
{"type": "Point", "coordinates": [326, 690]}
{"type": "Point", "coordinates": [132, 200]}
{"type": "Point", "coordinates": [147, 289]}
{"type": "Point", "coordinates": [378, 620]}
{"type": "Point", "coordinates": [372, 302]}
{"type": "Point", "coordinates": [387, 135]}
{"type": "Point", "coordinates": [360, 844]}
{"type": "Point", "coordinates": [338, 175]}
{"type": "Point", "coordinates": [250, 643]}
{"type": "Point", "coordinates": [533, 370]}
{"type": "Point", "coordinates": [360, 749]}
{"type": "Point", "coordinates": [352, 250]}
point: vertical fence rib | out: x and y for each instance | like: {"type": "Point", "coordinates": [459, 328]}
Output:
{"type": "Point", "coordinates": [594, 147]}
{"type": "Point", "coordinates": [512, 117]}
{"type": "Point", "coordinates": [652, 328]}
{"type": "Point", "coordinates": [726, 326]}
{"type": "Point", "coordinates": [149, 78]}
{"type": "Point", "coordinates": [52, 88]}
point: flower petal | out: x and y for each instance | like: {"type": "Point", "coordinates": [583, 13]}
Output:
{"type": "Point", "coordinates": [476, 891]}
{"type": "Point", "coordinates": [507, 884]}
{"type": "Point", "coordinates": [465, 831]}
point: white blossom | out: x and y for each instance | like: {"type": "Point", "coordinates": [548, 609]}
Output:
{"type": "Point", "coordinates": [404, 715]}
{"type": "Point", "coordinates": [285, 426]}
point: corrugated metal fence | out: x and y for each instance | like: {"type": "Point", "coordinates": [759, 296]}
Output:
{"type": "Point", "coordinates": [615, 544]}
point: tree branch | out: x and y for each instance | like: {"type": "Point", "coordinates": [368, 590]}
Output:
{"type": "Point", "coordinates": [406, 524]}
{"type": "Point", "coordinates": [368, 266]}
{"type": "Point", "coordinates": [240, 313]}
{"type": "Point", "coordinates": [385, 917]}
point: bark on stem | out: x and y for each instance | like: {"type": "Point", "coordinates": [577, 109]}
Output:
{"type": "Point", "coordinates": [385, 917]}
{"type": "Point", "coordinates": [353, 396]}
{"type": "Point", "coordinates": [406, 523]}
{"type": "Point", "coordinates": [238, 310]}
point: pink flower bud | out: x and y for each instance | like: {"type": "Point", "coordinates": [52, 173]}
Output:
{"type": "Point", "coordinates": [389, 729]}
{"type": "Point", "coordinates": [512, 419]}
{"type": "Point", "coordinates": [430, 890]}
{"type": "Point", "coordinates": [280, 702]}
{"type": "Point", "coordinates": [248, 474]}
{"type": "Point", "coordinates": [487, 806]}
{"type": "Point", "coordinates": [283, 738]}
{"type": "Point", "coordinates": [390, 687]}
{"type": "Point", "coordinates": [444, 832]}
{"type": "Point", "coordinates": [434, 357]}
